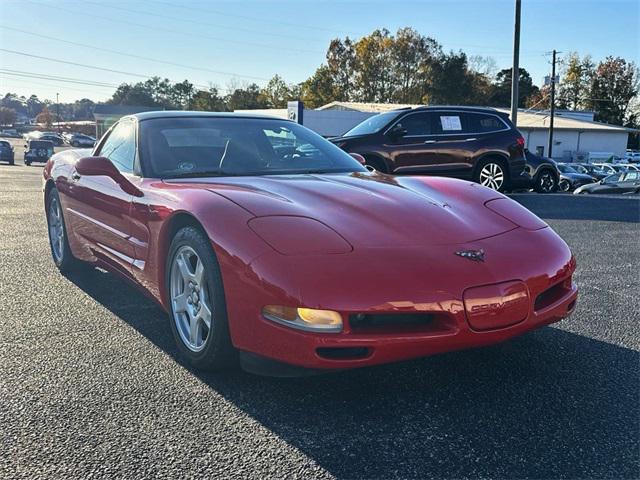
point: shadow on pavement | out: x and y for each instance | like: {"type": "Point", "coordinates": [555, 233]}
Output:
{"type": "Point", "coordinates": [550, 404]}
{"type": "Point", "coordinates": [620, 208]}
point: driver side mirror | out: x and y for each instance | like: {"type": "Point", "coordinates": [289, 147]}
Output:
{"type": "Point", "coordinates": [102, 166]}
{"type": "Point", "coordinates": [397, 131]}
{"type": "Point", "coordinates": [361, 160]}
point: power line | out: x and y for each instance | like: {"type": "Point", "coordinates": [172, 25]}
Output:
{"type": "Point", "coordinates": [197, 22]}
{"type": "Point", "coordinates": [140, 57]}
{"type": "Point", "coordinates": [156, 28]}
{"type": "Point", "coordinates": [261, 20]}
{"type": "Point", "coordinates": [44, 76]}
{"type": "Point", "coordinates": [103, 69]}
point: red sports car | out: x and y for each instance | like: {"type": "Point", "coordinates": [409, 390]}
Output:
{"type": "Point", "coordinates": [268, 244]}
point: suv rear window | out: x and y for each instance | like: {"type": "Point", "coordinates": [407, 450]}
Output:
{"type": "Point", "coordinates": [482, 123]}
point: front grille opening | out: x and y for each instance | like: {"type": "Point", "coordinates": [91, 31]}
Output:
{"type": "Point", "coordinates": [343, 353]}
{"type": "Point", "coordinates": [399, 322]}
{"type": "Point", "coordinates": [552, 294]}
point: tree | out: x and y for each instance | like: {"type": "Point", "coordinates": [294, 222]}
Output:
{"type": "Point", "coordinates": [46, 117]}
{"type": "Point", "coordinates": [208, 101]}
{"type": "Point", "coordinates": [451, 82]}
{"type": "Point", "coordinates": [319, 89]}
{"type": "Point", "coordinates": [486, 66]}
{"type": "Point", "coordinates": [277, 93]}
{"type": "Point", "coordinates": [341, 65]}
{"type": "Point", "coordinates": [501, 90]}
{"type": "Point", "coordinates": [614, 87]}
{"type": "Point", "coordinates": [180, 94]}
{"type": "Point", "coordinates": [574, 87]}
{"type": "Point", "coordinates": [247, 98]}
{"type": "Point", "coordinates": [8, 116]}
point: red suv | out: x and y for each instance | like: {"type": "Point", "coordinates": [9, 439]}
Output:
{"type": "Point", "coordinates": [474, 143]}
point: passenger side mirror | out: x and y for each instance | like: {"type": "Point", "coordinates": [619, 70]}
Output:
{"type": "Point", "coordinates": [102, 166]}
{"type": "Point", "coordinates": [397, 131]}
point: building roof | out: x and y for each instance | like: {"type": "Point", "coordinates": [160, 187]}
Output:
{"type": "Point", "coordinates": [527, 119]}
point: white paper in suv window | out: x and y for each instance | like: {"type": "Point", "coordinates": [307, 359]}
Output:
{"type": "Point", "coordinates": [450, 123]}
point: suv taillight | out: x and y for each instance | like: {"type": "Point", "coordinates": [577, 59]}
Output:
{"type": "Point", "coordinates": [520, 141]}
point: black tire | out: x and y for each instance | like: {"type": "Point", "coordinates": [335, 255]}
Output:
{"type": "Point", "coordinates": [65, 262]}
{"type": "Point", "coordinates": [27, 162]}
{"type": "Point", "coordinates": [218, 352]}
{"type": "Point", "coordinates": [12, 162]}
{"type": "Point", "coordinates": [492, 163]}
{"type": "Point", "coordinates": [564, 186]}
{"type": "Point", "coordinates": [377, 164]}
{"type": "Point", "coordinates": [545, 182]}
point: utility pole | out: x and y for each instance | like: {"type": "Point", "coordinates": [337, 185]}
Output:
{"type": "Point", "coordinates": [515, 71]}
{"type": "Point", "coordinates": [553, 103]}
{"type": "Point", "coordinates": [58, 111]}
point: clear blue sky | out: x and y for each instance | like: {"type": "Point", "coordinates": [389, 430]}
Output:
{"type": "Point", "coordinates": [252, 40]}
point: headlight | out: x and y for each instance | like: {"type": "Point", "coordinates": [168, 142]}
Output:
{"type": "Point", "coordinates": [307, 319]}
{"type": "Point", "coordinates": [515, 213]}
{"type": "Point", "coordinates": [291, 235]}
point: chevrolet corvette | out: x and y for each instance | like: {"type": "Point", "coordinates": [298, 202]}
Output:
{"type": "Point", "coordinates": [270, 247]}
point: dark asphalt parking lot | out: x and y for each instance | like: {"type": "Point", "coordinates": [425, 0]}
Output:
{"type": "Point", "coordinates": [90, 385]}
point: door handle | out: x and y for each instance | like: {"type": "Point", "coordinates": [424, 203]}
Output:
{"type": "Point", "coordinates": [429, 141]}
{"type": "Point", "coordinates": [75, 176]}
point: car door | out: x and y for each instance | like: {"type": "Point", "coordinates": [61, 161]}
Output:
{"type": "Point", "coordinates": [453, 142]}
{"type": "Point", "coordinates": [412, 151]}
{"type": "Point", "coordinates": [100, 211]}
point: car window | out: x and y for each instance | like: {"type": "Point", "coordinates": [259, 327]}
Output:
{"type": "Point", "coordinates": [416, 124]}
{"type": "Point", "coordinates": [482, 123]}
{"type": "Point", "coordinates": [120, 146]}
{"type": "Point", "coordinates": [372, 124]}
{"type": "Point", "coordinates": [613, 178]}
{"type": "Point", "coordinates": [447, 123]}
{"type": "Point", "coordinates": [219, 146]}
{"type": "Point", "coordinates": [630, 176]}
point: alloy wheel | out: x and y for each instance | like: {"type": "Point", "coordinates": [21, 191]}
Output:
{"type": "Point", "coordinates": [190, 301]}
{"type": "Point", "coordinates": [547, 182]}
{"type": "Point", "coordinates": [492, 176]}
{"type": "Point", "coordinates": [564, 185]}
{"type": "Point", "coordinates": [56, 230]}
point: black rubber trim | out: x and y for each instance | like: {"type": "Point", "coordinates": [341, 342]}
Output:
{"type": "Point", "coordinates": [268, 367]}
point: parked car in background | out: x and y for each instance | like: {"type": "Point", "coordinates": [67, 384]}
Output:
{"type": "Point", "coordinates": [570, 178]}
{"type": "Point", "coordinates": [624, 182]}
{"type": "Point", "coordinates": [607, 168]}
{"type": "Point", "coordinates": [474, 143]}
{"type": "Point", "coordinates": [37, 151]}
{"type": "Point", "coordinates": [589, 169]}
{"type": "Point", "coordinates": [631, 168]}
{"type": "Point", "coordinates": [80, 140]}
{"type": "Point", "coordinates": [6, 152]}
{"type": "Point", "coordinates": [632, 156]}
{"type": "Point", "coordinates": [54, 138]}
{"type": "Point", "coordinates": [11, 133]}
{"type": "Point", "coordinates": [540, 174]}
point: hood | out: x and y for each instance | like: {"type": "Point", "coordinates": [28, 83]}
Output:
{"type": "Point", "coordinates": [373, 210]}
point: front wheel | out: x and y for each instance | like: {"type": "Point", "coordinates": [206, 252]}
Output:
{"type": "Point", "coordinates": [60, 250]}
{"type": "Point", "coordinates": [197, 302]}
{"type": "Point", "coordinates": [492, 174]}
{"type": "Point", "coordinates": [546, 182]}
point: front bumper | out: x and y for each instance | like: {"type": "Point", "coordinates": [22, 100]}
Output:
{"type": "Point", "coordinates": [426, 280]}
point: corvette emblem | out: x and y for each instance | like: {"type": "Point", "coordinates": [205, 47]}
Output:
{"type": "Point", "coordinates": [475, 255]}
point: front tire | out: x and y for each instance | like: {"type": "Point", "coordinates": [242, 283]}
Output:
{"type": "Point", "coordinates": [564, 186]}
{"type": "Point", "coordinates": [58, 239]}
{"type": "Point", "coordinates": [197, 307]}
{"type": "Point", "coordinates": [492, 173]}
{"type": "Point", "coordinates": [546, 182]}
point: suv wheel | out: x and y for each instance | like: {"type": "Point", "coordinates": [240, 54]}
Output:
{"type": "Point", "coordinates": [545, 182]}
{"type": "Point", "coordinates": [491, 173]}
{"type": "Point", "coordinates": [564, 185]}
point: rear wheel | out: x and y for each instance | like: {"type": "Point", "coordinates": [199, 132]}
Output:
{"type": "Point", "coordinates": [545, 182]}
{"type": "Point", "coordinates": [60, 250]}
{"type": "Point", "coordinates": [197, 302]}
{"type": "Point", "coordinates": [492, 173]}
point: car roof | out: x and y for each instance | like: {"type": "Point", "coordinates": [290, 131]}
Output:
{"type": "Point", "coordinates": [186, 114]}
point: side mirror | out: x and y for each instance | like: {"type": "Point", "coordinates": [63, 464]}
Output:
{"type": "Point", "coordinates": [398, 131]}
{"type": "Point", "coordinates": [102, 166]}
{"type": "Point", "coordinates": [361, 160]}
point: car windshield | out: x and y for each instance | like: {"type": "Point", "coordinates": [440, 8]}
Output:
{"type": "Point", "coordinates": [580, 169]}
{"type": "Point", "coordinates": [566, 169]}
{"type": "Point", "coordinates": [220, 146]}
{"type": "Point", "coordinates": [372, 124]}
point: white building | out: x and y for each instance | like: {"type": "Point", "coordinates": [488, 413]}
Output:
{"type": "Point", "coordinates": [576, 134]}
